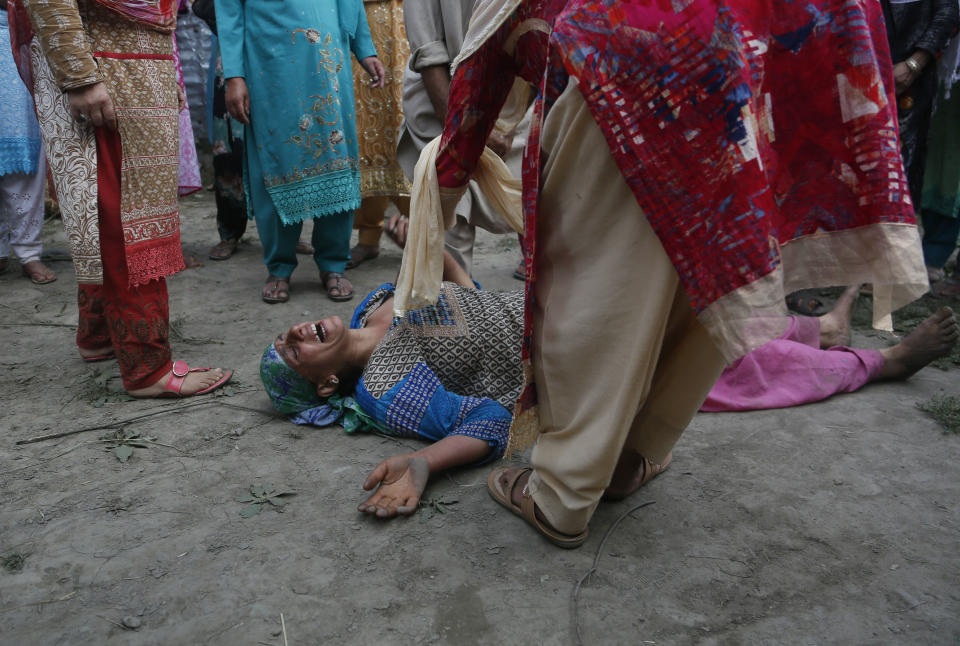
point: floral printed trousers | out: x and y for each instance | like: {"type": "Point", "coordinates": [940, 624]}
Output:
{"type": "Point", "coordinates": [133, 320]}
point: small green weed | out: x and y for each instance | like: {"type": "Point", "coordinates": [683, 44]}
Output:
{"type": "Point", "coordinates": [429, 508]}
{"type": "Point", "coordinates": [260, 496]}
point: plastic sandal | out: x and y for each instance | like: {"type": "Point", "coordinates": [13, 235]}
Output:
{"type": "Point", "coordinates": [179, 374]}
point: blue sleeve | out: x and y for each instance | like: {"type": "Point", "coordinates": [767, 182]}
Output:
{"type": "Point", "coordinates": [419, 406]}
{"type": "Point", "coordinates": [362, 42]}
{"type": "Point", "coordinates": [230, 32]}
{"type": "Point", "coordinates": [357, 318]}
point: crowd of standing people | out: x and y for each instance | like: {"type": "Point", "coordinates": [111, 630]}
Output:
{"type": "Point", "coordinates": [678, 170]}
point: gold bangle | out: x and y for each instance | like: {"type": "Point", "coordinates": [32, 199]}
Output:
{"type": "Point", "coordinates": [913, 65]}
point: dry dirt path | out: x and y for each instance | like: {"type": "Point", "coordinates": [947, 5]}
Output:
{"type": "Point", "coordinates": [832, 523]}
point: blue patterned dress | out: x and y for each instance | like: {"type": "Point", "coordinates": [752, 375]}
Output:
{"type": "Point", "coordinates": [449, 369]}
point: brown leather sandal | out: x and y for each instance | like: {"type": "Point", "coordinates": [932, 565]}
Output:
{"type": "Point", "coordinates": [276, 290]}
{"type": "Point", "coordinates": [334, 280]}
{"type": "Point", "coordinates": [528, 509]}
{"type": "Point", "coordinates": [650, 471]}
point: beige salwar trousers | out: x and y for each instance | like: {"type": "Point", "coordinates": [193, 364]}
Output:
{"type": "Point", "coordinates": [620, 360]}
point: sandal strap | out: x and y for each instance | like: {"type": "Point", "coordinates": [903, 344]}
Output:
{"type": "Point", "coordinates": [179, 374]}
{"type": "Point", "coordinates": [528, 511]}
{"type": "Point", "coordinates": [512, 482]}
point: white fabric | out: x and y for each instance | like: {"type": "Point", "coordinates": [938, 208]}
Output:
{"type": "Point", "coordinates": [433, 210]}
{"type": "Point", "coordinates": [487, 17]}
{"type": "Point", "coordinates": [21, 213]}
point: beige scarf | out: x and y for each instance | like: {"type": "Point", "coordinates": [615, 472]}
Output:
{"type": "Point", "coordinates": [432, 212]}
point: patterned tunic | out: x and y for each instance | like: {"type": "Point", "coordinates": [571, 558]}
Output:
{"type": "Point", "coordinates": [79, 43]}
{"type": "Point", "coordinates": [379, 110]}
{"type": "Point", "coordinates": [449, 369]}
{"type": "Point", "coordinates": [295, 59]}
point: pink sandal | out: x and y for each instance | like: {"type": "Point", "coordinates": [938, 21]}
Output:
{"type": "Point", "coordinates": [179, 374]}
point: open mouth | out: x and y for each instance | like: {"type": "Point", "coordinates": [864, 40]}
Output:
{"type": "Point", "coordinates": [319, 331]}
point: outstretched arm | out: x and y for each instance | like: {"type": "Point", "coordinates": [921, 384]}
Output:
{"type": "Point", "coordinates": [464, 430]}
{"type": "Point", "coordinates": [401, 479]}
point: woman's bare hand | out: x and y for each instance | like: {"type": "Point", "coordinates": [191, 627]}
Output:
{"type": "Point", "coordinates": [396, 229]}
{"type": "Point", "coordinates": [238, 99]}
{"type": "Point", "coordinates": [903, 78]}
{"type": "Point", "coordinates": [375, 69]}
{"type": "Point", "coordinates": [499, 144]}
{"type": "Point", "coordinates": [93, 103]}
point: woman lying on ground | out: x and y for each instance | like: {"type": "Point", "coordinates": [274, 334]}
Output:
{"type": "Point", "coordinates": [447, 373]}
{"type": "Point", "coordinates": [406, 379]}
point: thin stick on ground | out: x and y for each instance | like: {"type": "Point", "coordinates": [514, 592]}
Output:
{"type": "Point", "coordinates": [69, 325]}
{"type": "Point", "coordinates": [596, 561]}
{"type": "Point", "coordinates": [50, 459]}
{"type": "Point", "coordinates": [39, 603]}
{"type": "Point", "coordinates": [106, 425]}
{"type": "Point", "coordinates": [283, 627]}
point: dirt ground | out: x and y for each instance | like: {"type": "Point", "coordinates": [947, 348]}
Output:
{"type": "Point", "coordinates": [831, 523]}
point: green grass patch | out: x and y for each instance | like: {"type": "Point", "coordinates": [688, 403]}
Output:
{"type": "Point", "coordinates": [13, 562]}
{"type": "Point", "coordinates": [945, 410]}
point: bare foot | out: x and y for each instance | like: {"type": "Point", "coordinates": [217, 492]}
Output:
{"type": "Point", "coordinates": [191, 262]}
{"type": "Point", "coordinates": [632, 472]}
{"type": "Point", "coordinates": [930, 340]}
{"type": "Point", "coordinates": [835, 325]}
{"type": "Point", "coordinates": [400, 482]}
{"type": "Point", "coordinates": [193, 383]}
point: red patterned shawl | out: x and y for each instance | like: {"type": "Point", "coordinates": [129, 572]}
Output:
{"type": "Point", "coordinates": [160, 15]}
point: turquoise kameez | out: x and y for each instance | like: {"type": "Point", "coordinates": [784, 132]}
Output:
{"type": "Point", "coordinates": [300, 148]}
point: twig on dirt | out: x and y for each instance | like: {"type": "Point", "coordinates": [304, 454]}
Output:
{"type": "Point", "coordinates": [596, 561]}
{"type": "Point", "coordinates": [38, 325]}
{"type": "Point", "coordinates": [283, 627]}
{"type": "Point", "coordinates": [916, 605]}
{"type": "Point", "coordinates": [38, 603]}
{"type": "Point", "coordinates": [172, 409]}
{"type": "Point", "coordinates": [220, 632]}
{"type": "Point", "coordinates": [50, 459]}
{"type": "Point", "coordinates": [115, 623]}
{"type": "Point", "coordinates": [148, 441]}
